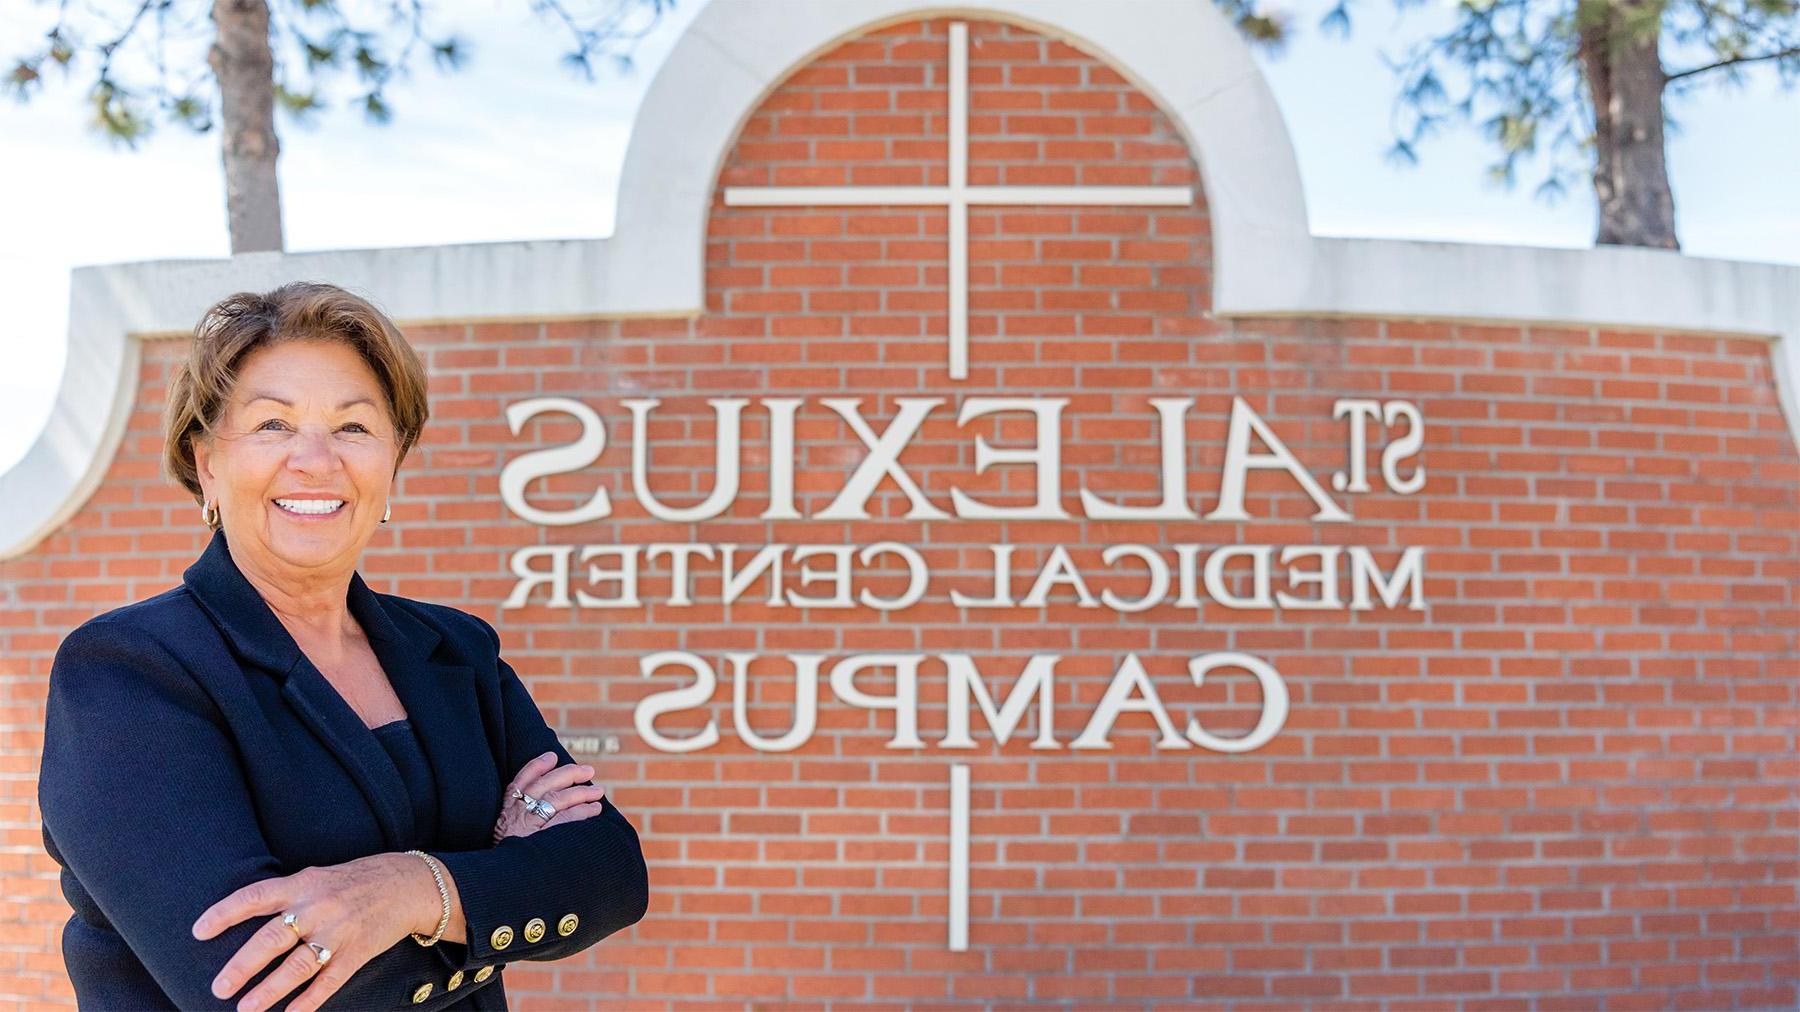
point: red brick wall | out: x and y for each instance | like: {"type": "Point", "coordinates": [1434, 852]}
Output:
{"type": "Point", "coordinates": [1569, 782]}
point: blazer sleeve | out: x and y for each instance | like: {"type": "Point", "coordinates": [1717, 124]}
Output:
{"type": "Point", "coordinates": [144, 801]}
{"type": "Point", "coordinates": [582, 880]}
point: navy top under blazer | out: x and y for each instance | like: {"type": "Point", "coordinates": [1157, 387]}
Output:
{"type": "Point", "coordinates": [403, 748]}
{"type": "Point", "coordinates": [191, 748]}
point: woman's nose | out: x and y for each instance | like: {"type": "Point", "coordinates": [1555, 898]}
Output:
{"type": "Point", "coordinates": [312, 451]}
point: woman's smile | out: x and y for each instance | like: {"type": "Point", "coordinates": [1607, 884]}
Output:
{"type": "Point", "coordinates": [309, 508]}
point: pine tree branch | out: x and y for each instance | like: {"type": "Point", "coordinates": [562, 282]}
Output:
{"type": "Point", "coordinates": [1734, 61]}
{"type": "Point", "coordinates": [609, 29]}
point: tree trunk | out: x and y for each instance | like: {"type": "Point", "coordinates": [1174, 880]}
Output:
{"type": "Point", "coordinates": [245, 70]}
{"type": "Point", "coordinates": [1625, 80]}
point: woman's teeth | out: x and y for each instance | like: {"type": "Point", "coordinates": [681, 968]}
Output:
{"type": "Point", "coordinates": [310, 507]}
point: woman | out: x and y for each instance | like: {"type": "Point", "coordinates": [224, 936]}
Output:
{"type": "Point", "coordinates": [272, 787]}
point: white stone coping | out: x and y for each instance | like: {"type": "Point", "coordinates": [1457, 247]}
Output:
{"type": "Point", "coordinates": [1182, 53]}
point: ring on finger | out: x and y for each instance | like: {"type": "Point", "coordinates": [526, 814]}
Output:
{"type": "Point", "coordinates": [322, 955]}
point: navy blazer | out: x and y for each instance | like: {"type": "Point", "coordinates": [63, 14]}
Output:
{"type": "Point", "coordinates": [191, 748]}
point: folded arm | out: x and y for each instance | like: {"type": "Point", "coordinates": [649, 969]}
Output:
{"type": "Point", "coordinates": [582, 880]}
{"type": "Point", "coordinates": [145, 803]}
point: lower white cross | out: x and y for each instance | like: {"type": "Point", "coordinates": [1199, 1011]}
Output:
{"type": "Point", "coordinates": [957, 197]}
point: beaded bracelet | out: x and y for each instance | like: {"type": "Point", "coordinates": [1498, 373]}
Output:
{"type": "Point", "coordinates": [443, 894]}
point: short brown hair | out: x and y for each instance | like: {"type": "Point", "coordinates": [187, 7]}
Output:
{"type": "Point", "coordinates": [299, 311]}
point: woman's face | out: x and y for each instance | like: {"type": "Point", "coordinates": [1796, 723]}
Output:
{"type": "Point", "coordinates": [331, 441]}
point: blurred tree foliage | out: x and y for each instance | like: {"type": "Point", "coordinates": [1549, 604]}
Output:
{"type": "Point", "coordinates": [144, 67]}
{"type": "Point", "coordinates": [1586, 81]}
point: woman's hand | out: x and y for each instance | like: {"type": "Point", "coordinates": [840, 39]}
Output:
{"type": "Point", "coordinates": [357, 909]}
{"type": "Point", "coordinates": [565, 787]}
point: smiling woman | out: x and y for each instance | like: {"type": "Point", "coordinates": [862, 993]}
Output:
{"type": "Point", "coordinates": [316, 397]}
{"type": "Point", "coordinates": [269, 848]}
{"type": "Point", "coordinates": [301, 470]}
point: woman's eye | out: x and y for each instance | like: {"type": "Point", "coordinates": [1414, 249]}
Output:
{"type": "Point", "coordinates": [358, 426]}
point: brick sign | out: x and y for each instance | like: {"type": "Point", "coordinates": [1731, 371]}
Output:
{"type": "Point", "coordinates": [994, 559]}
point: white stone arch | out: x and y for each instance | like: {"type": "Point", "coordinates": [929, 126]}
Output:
{"type": "Point", "coordinates": [1182, 53]}
{"type": "Point", "coordinates": [738, 51]}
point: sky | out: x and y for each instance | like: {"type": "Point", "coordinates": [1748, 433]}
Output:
{"type": "Point", "coordinates": [513, 146]}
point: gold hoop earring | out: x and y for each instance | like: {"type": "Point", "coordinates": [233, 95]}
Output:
{"type": "Point", "coordinates": [385, 514]}
{"type": "Point", "coordinates": [209, 513]}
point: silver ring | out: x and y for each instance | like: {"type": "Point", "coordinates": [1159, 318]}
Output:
{"type": "Point", "coordinates": [542, 809]}
{"type": "Point", "coordinates": [322, 952]}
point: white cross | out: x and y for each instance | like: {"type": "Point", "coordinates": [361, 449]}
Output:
{"type": "Point", "coordinates": [957, 197]}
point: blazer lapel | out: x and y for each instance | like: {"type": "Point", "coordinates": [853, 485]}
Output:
{"type": "Point", "coordinates": [343, 732]}
{"type": "Point", "coordinates": [439, 696]}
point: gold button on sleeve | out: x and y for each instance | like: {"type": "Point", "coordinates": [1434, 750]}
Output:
{"type": "Point", "coordinates": [534, 929]}
{"type": "Point", "coordinates": [484, 973]}
{"type": "Point", "coordinates": [502, 937]}
{"type": "Point", "coordinates": [422, 993]}
{"type": "Point", "coordinates": [456, 980]}
{"type": "Point", "coordinates": [566, 926]}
